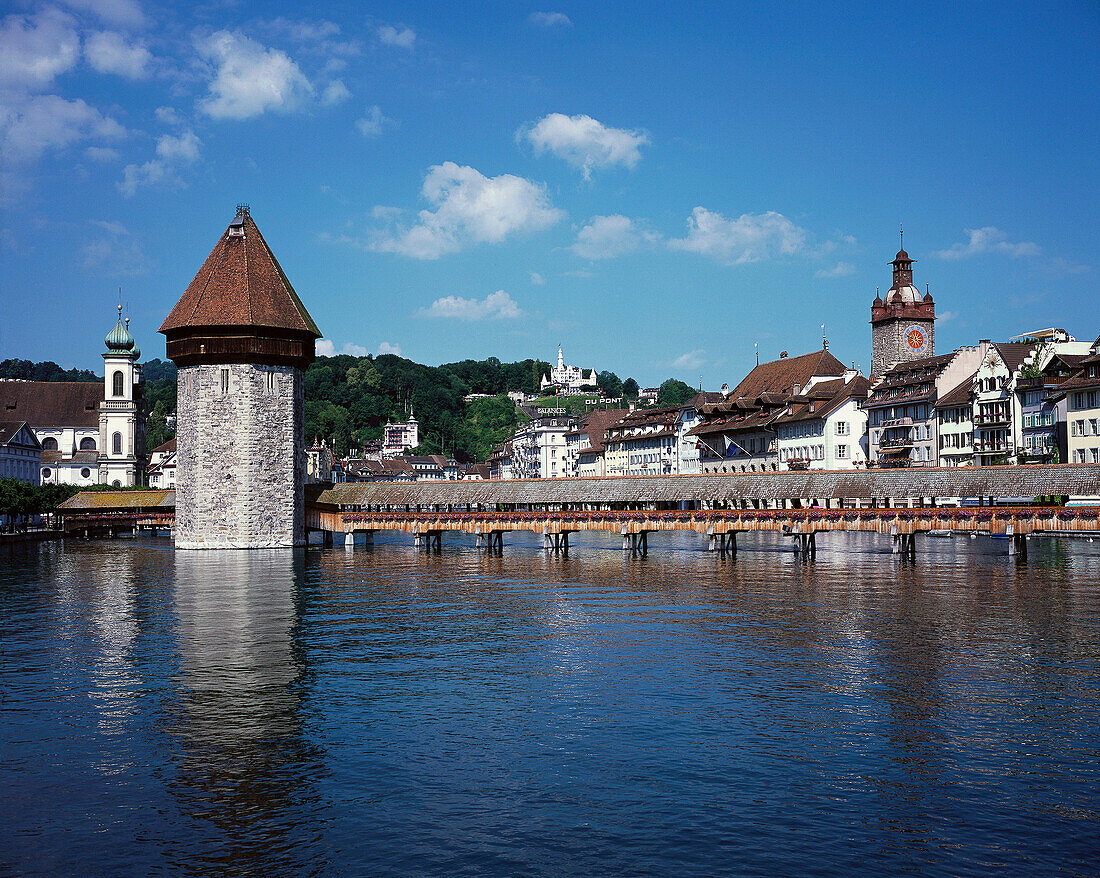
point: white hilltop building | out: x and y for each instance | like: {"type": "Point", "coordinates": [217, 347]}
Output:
{"type": "Point", "coordinates": [566, 377]}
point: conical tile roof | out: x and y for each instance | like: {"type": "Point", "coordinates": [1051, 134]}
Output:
{"type": "Point", "coordinates": [241, 284]}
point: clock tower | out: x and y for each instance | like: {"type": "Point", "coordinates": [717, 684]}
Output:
{"type": "Point", "coordinates": [903, 325]}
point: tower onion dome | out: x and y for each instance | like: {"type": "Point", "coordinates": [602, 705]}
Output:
{"type": "Point", "coordinates": [902, 291]}
{"type": "Point", "coordinates": [119, 340]}
{"type": "Point", "coordinates": [240, 308]}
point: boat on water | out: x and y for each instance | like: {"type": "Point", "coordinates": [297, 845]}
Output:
{"type": "Point", "coordinates": [940, 532]}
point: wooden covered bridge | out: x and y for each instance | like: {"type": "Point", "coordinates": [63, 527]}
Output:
{"type": "Point", "coordinates": [1001, 501]}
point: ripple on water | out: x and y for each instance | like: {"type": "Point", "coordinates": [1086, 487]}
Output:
{"type": "Point", "coordinates": [325, 711]}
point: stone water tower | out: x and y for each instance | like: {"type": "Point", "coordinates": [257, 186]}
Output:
{"type": "Point", "coordinates": [241, 340]}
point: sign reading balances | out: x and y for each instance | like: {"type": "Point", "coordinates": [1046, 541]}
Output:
{"type": "Point", "coordinates": [916, 339]}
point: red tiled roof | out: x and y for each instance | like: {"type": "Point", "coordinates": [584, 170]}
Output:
{"type": "Point", "coordinates": [52, 403]}
{"type": "Point", "coordinates": [780, 376]}
{"type": "Point", "coordinates": [166, 447]}
{"type": "Point", "coordinates": [241, 284]}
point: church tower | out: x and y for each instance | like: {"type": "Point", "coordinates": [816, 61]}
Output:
{"type": "Point", "coordinates": [241, 340]}
{"type": "Point", "coordinates": [903, 325]}
{"type": "Point", "coordinates": [122, 411]}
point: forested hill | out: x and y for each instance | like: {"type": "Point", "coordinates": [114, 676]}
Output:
{"type": "Point", "coordinates": [349, 399]}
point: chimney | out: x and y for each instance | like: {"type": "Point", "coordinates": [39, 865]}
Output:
{"type": "Point", "coordinates": [797, 387]}
{"type": "Point", "coordinates": [782, 355]}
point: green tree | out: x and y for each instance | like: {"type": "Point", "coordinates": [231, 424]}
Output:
{"type": "Point", "coordinates": [630, 388]}
{"type": "Point", "coordinates": [674, 392]}
{"type": "Point", "coordinates": [610, 384]}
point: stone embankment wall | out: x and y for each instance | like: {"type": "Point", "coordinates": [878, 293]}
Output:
{"type": "Point", "coordinates": [241, 457]}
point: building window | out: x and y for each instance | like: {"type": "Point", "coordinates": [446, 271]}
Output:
{"type": "Point", "coordinates": [270, 382]}
{"type": "Point", "coordinates": [118, 384]}
{"type": "Point", "coordinates": [85, 473]}
{"type": "Point", "coordinates": [842, 452]}
{"type": "Point", "coordinates": [49, 444]}
{"type": "Point", "coordinates": [116, 443]}
{"type": "Point", "coordinates": [225, 381]}
{"type": "Point", "coordinates": [87, 444]}
{"type": "Point", "coordinates": [46, 472]}
{"type": "Point", "coordinates": [842, 428]}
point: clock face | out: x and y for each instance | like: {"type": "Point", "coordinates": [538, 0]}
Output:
{"type": "Point", "coordinates": [916, 340]}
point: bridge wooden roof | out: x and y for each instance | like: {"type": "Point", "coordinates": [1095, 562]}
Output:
{"type": "Point", "coordinates": [120, 501]}
{"type": "Point", "coordinates": [1009, 481]}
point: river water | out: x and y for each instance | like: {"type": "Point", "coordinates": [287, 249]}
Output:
{"type": "Point", "coordinates": [385, 712]}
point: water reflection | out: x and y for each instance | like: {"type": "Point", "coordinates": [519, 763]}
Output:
{"type": "Point", "coordinates": [243, 765]}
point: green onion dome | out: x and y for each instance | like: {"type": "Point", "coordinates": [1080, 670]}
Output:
{"type": "Point", "coordinates": [119, 338]}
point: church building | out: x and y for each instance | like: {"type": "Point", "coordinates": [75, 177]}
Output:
{"type": "Point", "coordinates": [91, 432]}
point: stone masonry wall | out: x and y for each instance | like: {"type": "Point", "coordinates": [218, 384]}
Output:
{"type": "Point", "coordinates": [888, 345]}
{"type": "Point", "coordinates": [240, 457]}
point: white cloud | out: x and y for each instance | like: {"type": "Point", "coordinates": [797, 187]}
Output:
{"type": "Point", "coordinates": [47, 122]}
{"type": "Point", "coordinates": [388, 348]}
{"type": "Point", "coordinates": [112, 226]}
{"type": "Point", "coordinates": [372, 124]}
{"type": "Point", "coordinates": [988, 240]}
{"type": "Point", "coordinates": [171, 152]}
{"type": "Point", "coordinates": [537, 279]}
{"type": "Point", "coordinates": [168, 116]}
{"type": "Point", "coordinates": [121, 12]}
{"type": "Point", "coordinates": [249, 78]}
{"type": "Point", "coordinates": [691, 360]}
{"type": "Point", "coordinates": [37, 48]}
{"type": "Point", "coordinates": [184, 148]}
{"type": "Point", "coordinates": [403, 37]}
{"type": "Point", "coordinates": [841, 269]}
{"type": "Point", "coordinates": [606, 237]}
{"type": "Point", "coordinates": [305, 31]}
{"type": "Point", "coordinates": [326, 348]}
{"type": "Point", "coordinates": [584, 142]}
{"type": "Point", "coordinates": [117, 254]}
{"type": "Point", "coordinates": [944, 316]}
{"type": "Point", "coordinates": [335, 92]}
{"type": "Point", "coordinates": [470, 208]}
{"type": "Point", "coordinates": [496, 305]}
{"type": "Point", "coordinates": [549, 19]}
{"type": "Point", "coordinates": [102, 154]}
{"type": "Point", "coordinates": [108, 52]}
{"type": "Point", "coordinates": [749, 238]}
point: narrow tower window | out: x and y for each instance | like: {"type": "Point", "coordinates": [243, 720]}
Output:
{"type": "Point", "coordinates": [225, 381]}
{"type": "Point", "coordinates": [119, 382]}
{"type": "Point", "coordinates": [116, 443]}
{"type": "Point", "coordinates": [270, 381]}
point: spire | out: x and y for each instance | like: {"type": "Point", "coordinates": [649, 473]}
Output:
{"type": "Point", "coordinates": [119, 340]}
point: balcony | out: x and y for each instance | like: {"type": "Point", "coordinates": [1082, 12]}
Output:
{"type": "Point", "coordinates": [117, 405]}
{"type": "Point", "coordinates": [956, 452]}
{"type": "Point", "coordinates": [898, 422]}
{"type": "Point", "coordinates": [992, 447]}
{"type": "Point", "coordinates": [895, 444]}
{"type": "Point", "coordinates": [991, 418]}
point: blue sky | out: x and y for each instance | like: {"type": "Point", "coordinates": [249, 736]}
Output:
{"type": "Point", "coordinates": [658, 188]}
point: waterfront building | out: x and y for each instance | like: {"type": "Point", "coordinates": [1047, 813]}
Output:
{"type": "Point", "coordinates": [433, 467]}
{"type": "Point", "coordinates": [1081, 392]}
{"type": "Point", "coordinates": [161, 472]}
{"type": "Point", "coordinates": [565, 377]}
{"type": "Point", "coordinates": [901, 410]}
{"type": "Point", "coordinates": [903, 324]}
{"type": "Point", "coordinates": [90, 432]}
{"type": "Point", "coordinates": [997, 419]}
{"type": "Point", "coordinates": [241, 340]}
{"type": "Point", "coordinates": [1043, 409]}
{"type": "Point", "coordinates": [739, 434]}
{"type": "Point", "coordinates": [399, 438]}
{"type": "Point", "coordinates": [643, 443]}
{"type": "Point", "coordinates": [690, 417]}
{"type": "Point", "coordinates": [538, 447]}
{"type": "Point", "coordinates": [585, 442]}
{"type": "Point", "coordinates": [474, 472]}
{"type": "Point", "coordinates": [955, 425]}
{"type": "Point", "coordinates": [20, 453]}
{"type": "Point", "coordinates": [500, 462]}
{"type": "Point", "coordinates": [825, 426]}
{"type": "Point", "coordinates": [378, 470]}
